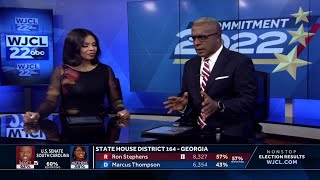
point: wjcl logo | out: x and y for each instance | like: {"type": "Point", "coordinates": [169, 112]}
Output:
{"type": "Point", "coordinates": [26, 24]}
{"type": "Point", "coordinates": [20, 47]}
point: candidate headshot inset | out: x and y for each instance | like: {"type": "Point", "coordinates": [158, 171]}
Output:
{"type": "Point", "coordinates": [25, 157]}
{"type": "Point", "coordinates": [79, 153]}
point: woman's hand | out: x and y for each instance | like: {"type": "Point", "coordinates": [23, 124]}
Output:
{"type": "Point", "coordinates": [31, 117]}
{"type": "Point", "coordinates": [124, 118]}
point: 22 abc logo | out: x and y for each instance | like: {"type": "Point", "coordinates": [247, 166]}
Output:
{"type": "Point", "coordinates": [28, 69]}
{"type": "Point", "coordinates": [27, 53]}
{"type": "Point", "coordinates": [27, 47]}
{"type": "Point", "coordinates": [26, 24]}
{"type": "Point", "coordinates": [37, 52]}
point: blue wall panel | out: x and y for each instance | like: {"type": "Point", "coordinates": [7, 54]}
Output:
{"type": "Point", "coordinates": [109, 21]}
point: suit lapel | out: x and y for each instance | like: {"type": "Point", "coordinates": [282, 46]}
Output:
{"type": "Point", "coordinates": [197, 73]}
{"type": "Point", "coordinates": [217, 68]}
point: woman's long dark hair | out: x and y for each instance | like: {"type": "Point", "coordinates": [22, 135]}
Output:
{"type": "Point", "coordinates": [72, 45]}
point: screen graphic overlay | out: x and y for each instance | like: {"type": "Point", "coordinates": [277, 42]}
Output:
{"type": "Point", "coordinates": [26, 46]}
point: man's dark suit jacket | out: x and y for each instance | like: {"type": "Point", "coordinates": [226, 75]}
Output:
{"type": "Point", "coordinates": [236, 88]}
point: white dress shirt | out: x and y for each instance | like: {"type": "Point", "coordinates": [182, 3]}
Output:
{"type": "Point", "coordinates": [212, 60]}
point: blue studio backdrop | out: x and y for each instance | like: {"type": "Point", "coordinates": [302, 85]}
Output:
{"type": "Point", "coordinates": [26, 46]}
{"type": "Point", "coordinates": [281, 38]}
{"type": "Point", "coordinates": [146, 43]}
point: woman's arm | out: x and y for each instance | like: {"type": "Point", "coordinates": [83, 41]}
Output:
{"type": "Point", "coordinates": [114, 92]}
{"type": "Point", "coordinates": [51, 100]}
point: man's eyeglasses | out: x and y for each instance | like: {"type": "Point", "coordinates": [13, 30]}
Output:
{"type": "Point", "coordinates": [201, 38]}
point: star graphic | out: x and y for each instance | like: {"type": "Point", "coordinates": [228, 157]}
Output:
{"type": "Point", "coordinates": [299, 36]}
{"type": "Point", "coordinates": [301, 15]}
{"type": "Point", "coordinates": [289, 63]}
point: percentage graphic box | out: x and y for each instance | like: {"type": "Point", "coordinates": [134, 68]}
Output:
{"type": "Point", "coordinates": [182, 156]}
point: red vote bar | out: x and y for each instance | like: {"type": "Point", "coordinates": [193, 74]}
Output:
{"type": "Point", "coordinates": [172, 156]}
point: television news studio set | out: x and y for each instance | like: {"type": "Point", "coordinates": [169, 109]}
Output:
{"type": "Point", "coordinates": [147, 45]}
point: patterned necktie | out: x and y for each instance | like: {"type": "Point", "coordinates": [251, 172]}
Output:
{"type": "Point", "coordinates": [205, 73]}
